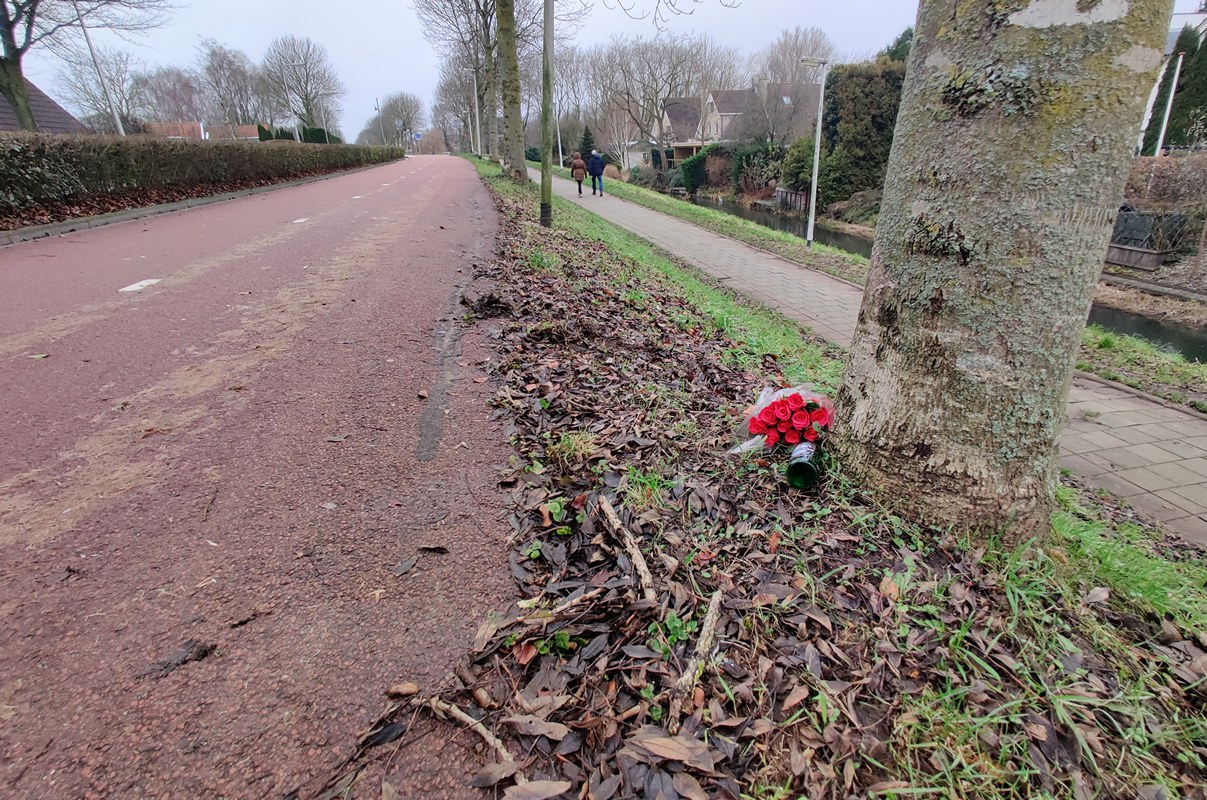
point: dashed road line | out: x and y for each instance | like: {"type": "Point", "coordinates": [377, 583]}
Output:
{"type": "Point", "coordinates": [138, 287]}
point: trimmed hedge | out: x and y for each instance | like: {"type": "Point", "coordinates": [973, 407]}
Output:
{"type": "Point", "coordinates": [694, 168]}
{"type": "Point", "coordinates": [38, 168]}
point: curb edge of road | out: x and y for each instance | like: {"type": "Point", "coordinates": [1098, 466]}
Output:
{"type": "Point", "coordinates": [34, 232]}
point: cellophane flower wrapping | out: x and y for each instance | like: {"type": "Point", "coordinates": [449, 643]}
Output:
{"type": "Point", "coordinates": [784, 417]}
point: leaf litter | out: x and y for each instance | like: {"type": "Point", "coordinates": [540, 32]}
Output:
{"type": "Point", "coordinates": [691, 628]}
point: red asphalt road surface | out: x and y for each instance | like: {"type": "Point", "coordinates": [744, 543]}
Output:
{"type": "Point", "coordinates": [239, 456]}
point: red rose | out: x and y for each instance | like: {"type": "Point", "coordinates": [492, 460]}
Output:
{"type": "Point", "coordinates": [781, 409]}
{"type": "Point", "coordinates": [767, 416]}
{"type": "Point", "coordinates": [773, 437]}
{"type": "Point", "coordinates": [810, 434]}
{"type": "Point", "coordinates": [795, 401]}
{"type": "Point", "coordinates": [792, 437]}
{"type": "Point", "coordinates": [784, 426]}
{"type": "Point", "coordinates": [800, 420]}
{"type": "Point", "coordinates": [820, 416]}
{"type": "Point", "coordinates": [756, 426]}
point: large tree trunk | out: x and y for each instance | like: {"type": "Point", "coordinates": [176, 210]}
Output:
{"type": "Point", "coordinates": [513, 129]}
{"type": "Point", "coordinates": [12, 86]}
{"type": "Point", "coordinates": [1011, 150]}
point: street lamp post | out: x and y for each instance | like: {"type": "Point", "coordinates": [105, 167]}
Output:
{"type": "Point", "coordinates": [297, 136]}
{"type": "Point", "coordinates": [100, 76]}
{"type": "Point", "coordinates": [380, 124]}
{"type": "Point", "coordinates": [821, 98]}
{"type": "Point", "coordinates": [477, 121]}
{"type": "Point", "coordinates": [1173, 89]}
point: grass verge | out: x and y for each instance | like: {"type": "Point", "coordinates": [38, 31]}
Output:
{"type": "Point", "coordinates": [1142, 365]}
{"type": "Point", "coordinates": [760, 332]}
{"type": "Point", "coordinates": [831, 260]}
{"type": "Point", "coordinates": [861, 654]}
{"type": "Point", "coordinates": [1125, 359]}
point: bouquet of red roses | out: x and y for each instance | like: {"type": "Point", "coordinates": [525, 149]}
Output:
{"type": "Point", "coordinates": [786, 417]}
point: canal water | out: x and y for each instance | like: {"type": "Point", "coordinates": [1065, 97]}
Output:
{"type": "Point", "coordinates": [794, 225]}
{"type": "Point", "coordinates": [1170, 336]}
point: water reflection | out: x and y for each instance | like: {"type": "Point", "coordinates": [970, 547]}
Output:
{"type": "Point", "coordinates": [794, 225]}
{"type": "Point", "coordinates": [1170, 336]}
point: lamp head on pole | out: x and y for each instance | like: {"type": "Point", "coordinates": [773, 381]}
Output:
{"type": "Point", "coordinates": [814, 62]}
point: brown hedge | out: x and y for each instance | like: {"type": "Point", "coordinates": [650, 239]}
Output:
{"type": "Point", "coordinates": [1169, 184]}
{"type": "Point", "coordinates": [41, 168]}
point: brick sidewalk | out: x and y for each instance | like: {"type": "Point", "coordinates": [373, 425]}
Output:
{"type": "Point", "coordinates": [1152, 455]}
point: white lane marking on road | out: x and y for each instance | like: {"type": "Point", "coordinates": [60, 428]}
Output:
{"type": "Point", "coordinates": [300, 221]}
{"type": "Point", "coordinates": [357, 196]}
{"type": "Point", "coordinates": [138, 287]}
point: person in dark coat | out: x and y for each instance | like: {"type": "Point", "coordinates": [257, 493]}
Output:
{"type": "Point", "coordinates": [578, 171]}
{"type": "Point", "coordinates": [595, 166]}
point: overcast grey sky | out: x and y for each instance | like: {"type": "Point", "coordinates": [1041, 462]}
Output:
{"type": "Point", "coordinates": [378, 48]}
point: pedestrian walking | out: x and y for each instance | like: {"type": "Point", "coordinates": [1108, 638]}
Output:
{"type": "Point", "coordinates": [595, 166]}
{"type": "Point", "coordinates": [578, 171]}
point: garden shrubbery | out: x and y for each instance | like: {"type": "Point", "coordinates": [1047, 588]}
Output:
{"type": "Point", "coordinates": [39, 168]}
{"type": "Point", "coordinates": [755, 166]}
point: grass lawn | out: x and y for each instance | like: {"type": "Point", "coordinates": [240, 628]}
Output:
{"type": "Point", "coordinates": [858, 653]}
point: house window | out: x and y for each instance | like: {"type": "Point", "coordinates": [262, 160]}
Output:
{"type": "Point", "coordinates": [787, 100]}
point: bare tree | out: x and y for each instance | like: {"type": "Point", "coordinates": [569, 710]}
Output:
{"type": "Point", "coordinates": [661, 11]}
{"type": "Point", "coordinates": [453, 110]}
{"type": "Point", "coordinates": [27, 23]}
{"type": "Point", "coordinates": [509, 73]}
{"type": "Point", "coordinates": [302, 79]}
{"type": "Point", "coordinates": [616, 132]}
{"type": "Point", "coordinates": [83, 90]}
{"type": "Point", "coordinates": [169, 94]}
{"type": "Point", "coordinates": [400, 115]}
{"type": "Point", "coordinates": [636, 75]}
{"type": "Point", "coordinates": [235, 92]}
{"type": "Point", "coordinates": [988, 253]}
{"type": "Point", "coordinates": [468, 30]}
{"type": "Point", "coordinates": [780, 62]}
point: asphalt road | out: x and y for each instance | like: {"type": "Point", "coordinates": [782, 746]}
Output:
{"type": "Point", "coordinates": [222, 432]}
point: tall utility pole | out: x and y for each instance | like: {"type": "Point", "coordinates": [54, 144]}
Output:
{"type": "Point", "coordinates": [477, 122]}
{"type": "Point", "coordinates": [561, 159]}
{"type": "Point", "coordinates": [381, 126]}
{"type": "Point", "coordinates": [821, 104]}
{"type": "Point", "coordinates": [100, 76]}
{"type": "Point", "coordinates": [547, 121]}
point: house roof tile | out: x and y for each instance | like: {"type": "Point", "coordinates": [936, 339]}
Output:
{"type": "Point", "coordinates": [50, 116]}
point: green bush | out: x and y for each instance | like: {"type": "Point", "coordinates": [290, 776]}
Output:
{"type": "Point", "coordinates": [37, 168]}
{"type": "Point", "coordinates": [797, 172]}
{"type": "Point", "coordinates": [532, 154]}
{"type": "Point", "coordinates": [756, 165]}
{"type": "Point", "coordinates": [693, 173]}
{"type": "Point", "coordinates": [694, 169]}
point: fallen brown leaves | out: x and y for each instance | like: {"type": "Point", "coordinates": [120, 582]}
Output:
{"type": "Point", "coordinates": [769, 639]}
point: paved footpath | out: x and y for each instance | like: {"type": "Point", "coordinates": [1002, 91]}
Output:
{"type": "Point", "coordinates": [1140, 449]}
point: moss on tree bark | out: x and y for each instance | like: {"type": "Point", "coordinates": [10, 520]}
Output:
{"type": "Point", "coordinates": [1012, 146]}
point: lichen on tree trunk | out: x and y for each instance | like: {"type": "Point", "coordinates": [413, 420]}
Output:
{"type": "Point", "coordinates": [1012, 145]}
{"type": "Point", "coordinates": [513, 131]}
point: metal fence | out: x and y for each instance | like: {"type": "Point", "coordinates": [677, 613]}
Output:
{"type": "Point", "coordinates": [786, 198]}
